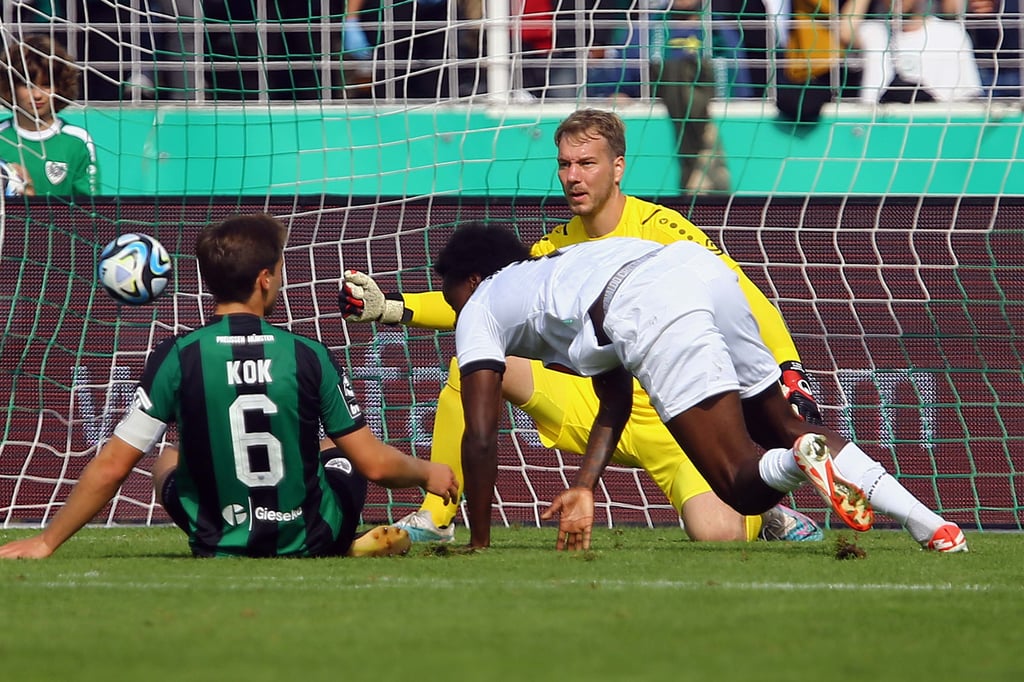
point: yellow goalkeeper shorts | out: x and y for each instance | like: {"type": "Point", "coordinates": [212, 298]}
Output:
{"type": "Point", "coordinates": [563, 407]}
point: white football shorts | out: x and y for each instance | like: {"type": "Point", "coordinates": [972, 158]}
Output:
{"type": "Point", "coordinates": [681, 324]}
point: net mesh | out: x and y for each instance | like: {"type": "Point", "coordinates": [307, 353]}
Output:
{"type": "Point", "coordinates": [907, 314]}
{"type": "Point", "coordinates": [372, 128]}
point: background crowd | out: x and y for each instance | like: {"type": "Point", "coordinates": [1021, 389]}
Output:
{"type": "Point", "coordinates": [559, 49]}
{"type": "Point", "coordinates": [795, 55]}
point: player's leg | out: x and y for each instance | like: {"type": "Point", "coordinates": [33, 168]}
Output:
{"type": "Point", "coordinates": [734, 330]}
{"type": "Point", "coordinates": [688, 364]}
{"type": "Point", "coordinates": [349, 488]}
{"type": "Point", "coordinates": [772, 422]}
{"type": "Point", "coordinates": [715, 436]}
{"type": "Point", "coordinates": [433, 521]}
{"type": "Point", "coordinates": [563, 407]}
{"type": "Point", "coordinates": [706, 518]}
{"type": "Point", "coordinates": [680, 357]}
{"type": "Point", "coordinates": [646, 443]}
{"type": "Point", "coordinates": [165, 486]}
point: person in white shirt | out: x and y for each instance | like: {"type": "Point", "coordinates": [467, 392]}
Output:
{"type": "Point", "coordinates": [672, 316]}
{"type": "Point", "coordinates": [911, 57]}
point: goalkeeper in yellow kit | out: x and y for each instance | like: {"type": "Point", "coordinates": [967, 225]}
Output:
{"type": "Point", "coordinates": [591, 161]}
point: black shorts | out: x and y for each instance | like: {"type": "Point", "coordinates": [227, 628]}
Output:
{"type": "Point", "coordinates": [348, 485]}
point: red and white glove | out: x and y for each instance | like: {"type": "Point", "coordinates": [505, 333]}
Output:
{"type": "Point", "coordinates": [361, 300]}
{"type": "Point", "coordinates": [798, 392]}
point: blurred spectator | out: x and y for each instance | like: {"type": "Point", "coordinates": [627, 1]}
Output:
{"type": "Point", "coordinates": [681, 74]}
{"type": "Point", "coordinates": [355, 43]}
{"type": "Point", "coordinates": [994, 27]}
{"type": "Point", "coordinates": [122, 60]}
{"type": "Point", "coordinates": [227, 49]}
{"type": "Point", "coordinates": [43, 11]}
{"type": "Point", "coordinates": [915, 57]}
{"type": "Point", "coordinates": [412, 45]}
{"type": "Point", "coordinates": [729, 45]}
{"type": "Point", "coordinates": [356, 51]}
{"type": "Point", "coordinates": [291, 58]}
{"type": "Point", "coordinates": [472, 73]}
{"type": "Point", "coordinates": [758, 48]}
{"type": "Point", "coordinates": [38, 79]}
{"type": "Point", "coordinates": [548, 32]}
{"type": "Point", "coordinates": [298, 54]}
{"type": "Point", "coordinates": [813, 56]}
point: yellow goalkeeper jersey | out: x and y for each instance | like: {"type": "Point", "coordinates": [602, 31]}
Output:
{"type": "Point", "coordinates": [642, 220]}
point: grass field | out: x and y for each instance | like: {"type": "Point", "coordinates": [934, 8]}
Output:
{"type": "Point", "coordinates": [130, 604]}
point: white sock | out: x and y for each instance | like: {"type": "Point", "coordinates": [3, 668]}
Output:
{"type": "Point", "coordinates": [886, 494]}
{"type": "Point", "coordinates": [779, 470]}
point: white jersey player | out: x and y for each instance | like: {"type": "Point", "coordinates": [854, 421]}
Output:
{"type": "Point", "coordinates": [672, 316]}
{"type": "Point", "coordinates": [542, 309]}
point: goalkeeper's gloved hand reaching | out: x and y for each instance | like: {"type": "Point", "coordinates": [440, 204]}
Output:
{"type": "Point", "coordinates": [361, 300]}
{"type": "Point", "coordinates": [798, 392]}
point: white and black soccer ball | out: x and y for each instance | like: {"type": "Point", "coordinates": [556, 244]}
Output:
{"type": "Point", "coordinates": [134, 269]}
{"type": "Point", "coordinates": [11, 182]}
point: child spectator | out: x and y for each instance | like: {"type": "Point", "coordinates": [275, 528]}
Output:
{"type": "Point", "coordinates": [38, 78]}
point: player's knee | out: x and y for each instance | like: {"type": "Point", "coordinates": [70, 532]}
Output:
{"type": "Point", "coordinates": [729, 528]}
{"type": "Point", "coordinates": [706, 518]}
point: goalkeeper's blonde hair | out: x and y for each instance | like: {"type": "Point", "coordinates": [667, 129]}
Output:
{"type": "Point", "coordinates": [595, 123]}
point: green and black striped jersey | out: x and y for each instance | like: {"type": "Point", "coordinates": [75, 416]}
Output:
{"type": "Point", "coordinates": [249, 399]}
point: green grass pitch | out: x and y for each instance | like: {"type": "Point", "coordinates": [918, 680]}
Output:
{"type": "Point", "coordinates": [131, 604]}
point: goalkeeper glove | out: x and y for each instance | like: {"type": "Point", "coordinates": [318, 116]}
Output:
{"type": "Point", "coordinates": [798, 392]}
{"type": "Point", "coordinates": [361, 300]}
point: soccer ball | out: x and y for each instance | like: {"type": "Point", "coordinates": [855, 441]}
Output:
{"type": "Point", "coordinates": [12, 183]}
{"type": "Point", "coordinates": [134, 269]}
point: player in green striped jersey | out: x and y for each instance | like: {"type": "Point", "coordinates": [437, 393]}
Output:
{"type": "Point", "coordinates": [38, 78]}
{"type": "Point", "coordinates": [249, 399]}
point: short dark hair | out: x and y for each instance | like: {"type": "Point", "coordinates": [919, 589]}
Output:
{"type": "Point", "coordinates": [234, 252]}
{"type": "Point", "coordinates": [595, 123]}
{"type": "Point", "coordinates": [479, 249]}
{"type": "Point", "coordinates": [42, 61]}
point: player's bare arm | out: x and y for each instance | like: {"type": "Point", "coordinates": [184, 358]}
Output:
{"type": "Point", "coordinates": [392, 468]}
{"type": "Point", "coordinates": [614, 391]}
{"type": "Point", "coordinates": [481, 404]}
{"type": "Point", "coordinates": [99, 483]}
{"type": "Point", "coordinates": [575, 506]}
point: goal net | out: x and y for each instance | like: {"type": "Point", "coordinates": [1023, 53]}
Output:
{"type": "Point", "coordinates": [889, 236]}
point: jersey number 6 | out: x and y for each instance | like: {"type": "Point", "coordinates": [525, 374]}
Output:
{"type": "Point", "coordinates": [243, 441]}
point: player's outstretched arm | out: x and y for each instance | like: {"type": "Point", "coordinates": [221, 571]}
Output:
{"type": "Point", "coordinates": [391, 468]}
{"type": "Point", "coordinates": [362, 300]}
{"type": "Point", "coordinates": [575, 506]}
{"type": "Point", "coordinates": [481, 405]}
{"type": "Point", "coordinates": [97, 486]}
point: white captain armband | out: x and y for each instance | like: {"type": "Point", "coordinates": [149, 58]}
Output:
{"type": "Point", "coordinates": [140, 430]}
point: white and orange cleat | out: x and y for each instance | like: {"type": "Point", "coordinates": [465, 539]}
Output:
{"type": "Point", "coordinates": [849, 501]}
{"type": "Point", "coordinates": [948, 538]}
